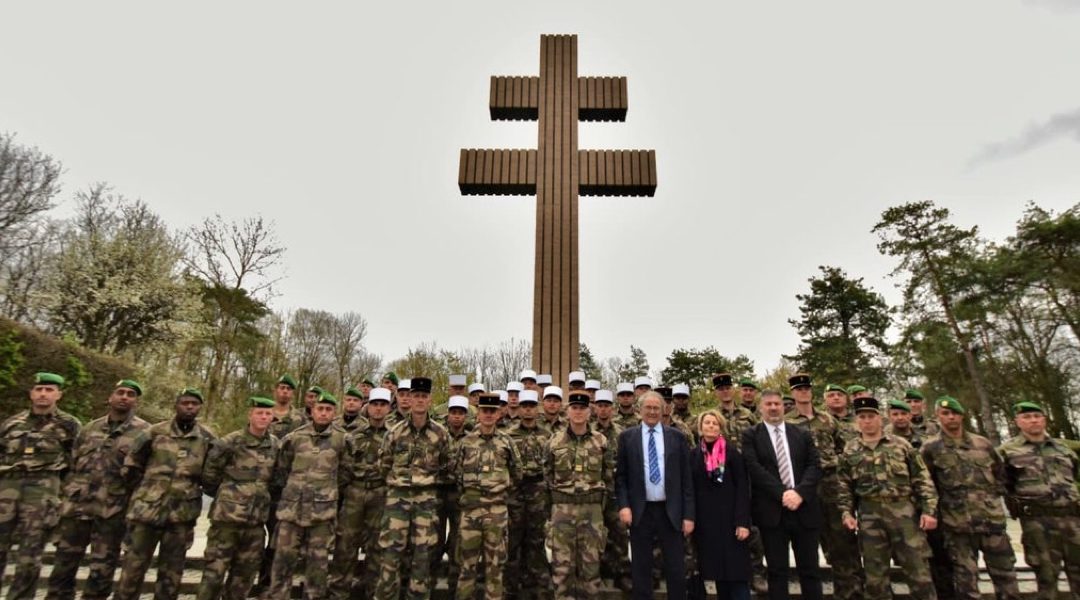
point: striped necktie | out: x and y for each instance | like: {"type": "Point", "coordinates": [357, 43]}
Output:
{"type": "Point", "coordinates": [654, 460]}
{"type": "Point", "coordinates": [782, 461]}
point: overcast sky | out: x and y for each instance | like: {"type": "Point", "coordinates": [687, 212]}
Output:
{"type": "Point", "coordinates": [782, 131]}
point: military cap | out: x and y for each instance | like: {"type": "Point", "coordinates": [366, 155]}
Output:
{"type": "Point", "coordinates": [355, 393]}
{"type": "Point", "coordinates": [576, 376]}
{"type": "Point", "coordinates": [379, 394]}
{"type": "Point", "coordinates": [644, 380]}
{"type": "Point", "coordinates": [604, 396]}
{"type": "Point", "coordinates": [1027, 406]}
{"type": "Point", "coordinates": [527, 374]}
{"type": "Point", "coordinates": [680, 389]}
{"type": "Point", "coordinates": [665, 393]}
{"type": "Point", "coordinates": [457, 402]}
{"type": "Point", "coordinates": [488, 400]}
{"type": "Point", "coordinates": [721, 379]}
{"type": "Point", "coordinates": [592, 384]}
{"type": "Point", "coordinates": [543, 379]}
{"type": "Point", "coordinates": [44, 378]}
{"type": "Point", "coordinates": [624, 387]}
{"type": "Point", "coordinates": [260, 402]}
{"type": "Point", "coordinates": [190, 392]}
{"type": "Point", "coordinates": [456, 380]}
{"type": "Point", "coordinates": [392, 376]}
{"type": "Point", "coordinates": [421, 384]}
{"type": "Point", "coordinates": [950, 403]}
{"type": "Point", "coordinates": [504, 396]}
{"type": "Point", "coordinates": [326, 398]}
{"type": "Point", "coordinates": [130, 384]}
{"type": "Point", "coordinates": [287, 380]}
{"type": "Point", "coordinates": [855, 389]}
{"type": "Point", "coordinates": [476, 387]}
{"type": "Point", "coordinates": [913, 394]}
{"type": "Point", "coordinates": [899, 405]}
{"type": "Point", "coordinates": [514, 386]}
{"type": "Point", "coordinates": [529, 397]}
{"type": "Point", "coordinates": [578, 397]}
{"type": "Point", "coordinates": [315, 389]}
{"type": "Point", "coordinates": [799, 380]}
{"type": "Point", "coordinates": [553, 390]}
{"type": "Point", "coordinates": [368, 381]}
{"type": "Point", "coordinates": [404, 385]}
{"type": "Point", "coordinates": [866, 403]}
{"type": "Point", "coordinates": [834, 387]}
{"type": "Point", "coordinates": [747, 382]}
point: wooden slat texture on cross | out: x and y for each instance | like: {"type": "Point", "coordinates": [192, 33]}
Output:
{"type": "Point", "coordinates": [557, 172]}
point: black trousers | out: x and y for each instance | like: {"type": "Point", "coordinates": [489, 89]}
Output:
{"type": "Point", "coordinates": [655, 525]}
{"type": "Point", "coordinates": [804, 542]}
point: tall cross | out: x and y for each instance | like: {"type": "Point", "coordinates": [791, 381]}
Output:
{"type": "Point", "coordinates": [557, 172]}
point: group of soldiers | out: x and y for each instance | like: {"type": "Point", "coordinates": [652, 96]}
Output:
{"type": "Point", "coordinates": [495, 481]}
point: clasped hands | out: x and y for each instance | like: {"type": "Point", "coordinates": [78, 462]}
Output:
{"type": "Point", "coordinates": [791, 500]}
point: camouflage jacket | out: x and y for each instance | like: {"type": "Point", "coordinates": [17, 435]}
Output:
{"type": "Point", "coordinates": [685, 415]}
{"type": "Point", "coordinates": [362, 455]}
{"type": "Point", "coordinates": [551, 427]}
{"type": "Point", "coordinates": [307, 475]}
{"type": "Point", "coordinates": [415, 458]}
{"type": "Point", "coordinates": [926, 426]}
{"type": "Point", "coordinates": [738, 421]}
{"type": "Point", "coordinates": [683, 429]}
{"type": "Point", "coordinates": [166, 464]}
{"type": "Point", "coordinates": [283, 426]}
{"type": "Point", "coordinates": [37, 444]}
{"type": "Point", "coordinates": [611, 432]}
{"type": "Point", "coordinates": [890, 472]}
{"type": "Point", "coordinates": [349, 426]}
{"type": "Point", "coordinates": [485, 467]}
{"type": "Point", "coordinates": [1039, 474]}
{"type": "Point", "coordinates": [913, 436]}
{"type": "Point", "coordinates": [579, 465]}
{"type": "Point", "coordinates": [824, 431]}
{"type": "Point", "coordinates": [627, 420]}
{"type": "Point", "coordinates": [969, 475]}
{"type": "Point", "coordinates": [237, 473]}
{"type": "Point", "coordinates": [846, 430]}
{"type": "Point", "coordinates": [93, 488]}
{"type": "Point", "coordinates": [531, 444]}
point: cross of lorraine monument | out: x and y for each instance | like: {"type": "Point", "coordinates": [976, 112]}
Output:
{"type": "Point", "coordinates": [557, 172]}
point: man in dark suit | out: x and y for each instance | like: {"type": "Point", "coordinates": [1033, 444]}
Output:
{"type": "Point", "coordinates": [655, 495]}
{"type": "Point", "coordinates": [784, 473]}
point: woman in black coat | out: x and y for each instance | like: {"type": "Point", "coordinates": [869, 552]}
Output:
{"type": "Point", "coordinates": [722, 501]}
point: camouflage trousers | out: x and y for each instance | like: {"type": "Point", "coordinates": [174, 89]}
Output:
{"type": "Point", "coordinates": [576, 538]}
{"type": "Point", "coordinates": [964, 548]}
{"type": "Point", "coordinates": [616, 559]}
{"type": "Point", "coordinates": [840, 545]}
{"type": "Point", "coordinates": [528, 573]}
{"type": "Point", "coordinates": [887, 530]}
{"type": "Point", "coordinates": [1049, 543]}
{"type": "Point", "coordinates": [942, 572]}
{"type": "Point", "coordinates": [174, 539]}
{"type": "Point", "coordinates": [357, 527]}
{"type": "Point", "coordinates": [449, 515]}
{"type": "Point", "coordinates": [29, 509]}
{"type": "Point", "coordinates": [234, 549]}
{"type": "Point", "coordinates": [104, 536]}
{"type": "Point", "coordinates": [290, 540]}
{"type": "Point", "coordinates": [408, 521]}
{"type": "Point", "coordinates": [481, 539]}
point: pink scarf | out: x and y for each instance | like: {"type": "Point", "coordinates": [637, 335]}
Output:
{"type": "Point", "coordinates": [714, 460]}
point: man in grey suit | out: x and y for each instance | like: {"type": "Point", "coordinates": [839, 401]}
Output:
{"type": "Point", "coordinates": [655, 496]}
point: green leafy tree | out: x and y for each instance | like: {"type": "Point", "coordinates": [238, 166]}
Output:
{"type": "Point", "coordinates": [696, 366]}
{"type": "Point", "coordinates": [636, 366]}
{"type": "Point", "coordinates": [587, 363]}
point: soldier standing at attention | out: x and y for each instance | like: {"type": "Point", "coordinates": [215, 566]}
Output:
{"type": "Point", "coordinates": [350, 418]}
{"type": "Point", "coordinates": [528, 573]}
{"type": "Point", "coordinates": [551, 402]}
{"type": "Point", "coordinates": [414, 457]}
{"type": "Point", "coordinates": [36, 452]}
{"type": "Point", "coordinates": [887, 480]}
{"type": "Point", "coordinates": [616, 560]}
{"type": "Point", "coordinates": [748, 391]}
{"type": "Point", "coordinates": [926, 424]}
{"type": "Point", "coordinates": [95, 499]}
{"type": "Point", "coordinates": [306, 479]}
{"type": "Point", "coordinates": [485, 466]}
{"type": "Point", "coordinates": [1040, 483]}
{"type": "Point", "coordinates": [579, 470]}
{"type": "Point", "coordinates": [362, 504]}
{"type": "Point", "coordinates": [237, 473]}
{"type": "Point", "coordinates": [164, 468]}
{"type": "Point", "coordinates": [680, 393]}
{"type": "Point", "coordinates": [448, 511]}
{"type": "Point", "coordinates": [900, 423]}
{"type": "Point", "coordinates": [627, 416]}
{"type": "Point", "coordinates": [513, 399]}
{"type": "Point", "coordinates": [970, 475]}
{"type": "Point", "coordinates": [738, 418]}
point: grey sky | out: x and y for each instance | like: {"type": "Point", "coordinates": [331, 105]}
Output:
{"type": "Point", "coordinates": [782, 131]}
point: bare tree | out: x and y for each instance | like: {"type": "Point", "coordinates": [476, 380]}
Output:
{"type": "Point", "coordinates": [308, 343]}
{"type": "Point", "coordinates": [347, 333]}
{"type": "Point", "coordinates": [237, 255]}
{"type": "Point", "coordinates": [23, 271]}
{"type": "Point", "coordinates": [29, 180]}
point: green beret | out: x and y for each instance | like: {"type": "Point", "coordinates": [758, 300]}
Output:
{"type": "Point", "coordinates": [1026, 406]}
{"type": "Point", "coordinates": [899, 405]}
{"type": "Point", "coordinates": [832, 387]}
{"type": "Point", "coordinates": [914, 394]}
{"type": "Point", "coordinates": [130, 383]}
{"type": "Point", "coordinates": [327, 398]}
{"type": "Point", "coordinates": [315, 389]}
{"type": "Point", "coordinates": [352, 391]}
{"type": "Point", "coordinates": [747, 382]}
{"type": "Point", "coordinates": [392, 376]}
{"type": "Point", "coordinates": [193, 392]}
{"type": "Point", "coordinates": [368, 381]}
{"type": "Point", "coordinates": [287, 380]}
{"type": "Point", "coordinates": [49, 379]}
{"type": "Point", "coordinates": [260, 402]}
{"type": "Point", "coordinates": [855, 389]}
{"type": "Point", "coordinates": [947, 402]}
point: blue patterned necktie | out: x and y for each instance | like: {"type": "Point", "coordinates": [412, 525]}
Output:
{"type": "Point", "coordinates": [654, 461]}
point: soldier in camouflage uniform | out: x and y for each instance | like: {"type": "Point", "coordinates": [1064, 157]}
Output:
{"type": "Point", "coordinates": [309, 472]}
{"type": "Point", "coordinates": [667, 415]}
{"type": "Point", "coordinates": [681, 410]}
{"type": "Point", "coordinates": [362, 504]}
{"type": "Point", "coordinates": [35, 452]}
{"type": "Point", "coordinates": [1040, 483]}
{"type": "Point", "coordinates": [885, 482]}
{"type": "Point", "coordinates": [414, 458]}
{"type": "Point", "coordinates": [401, 407]}
{"type": "Point", "coordinates": [485, 466]}
{"type": "Point", "coordinates": [528, 573]}
{"type": "Point", "coordinates": [616, 560]}
{"type": "Point", "coordinates": [551, 406]}
{"type": "Point", "coordinates": [164, 468]}
{"type": "Point", "coordinates": [627, 415]}
{"type": "Point", "coordinates": [738, 418]}
{"type": "Point", "coordinates": [95, 499]}
{"type": "Point", "coordinates": [579, 470]}
{"type": "Point", "coordinates": [840, 544]}
{"type": "Point", "coordinates": [926, 424]}
{"type": "Point", "coordinates": [749, 392]}
{"type": "Point", "coordinates": [900, 424]}
{"type": "Point", "coordinates": [237, 473]}
{"type": "Point", "coordinates": [969, 475]}
{"type": "Point", "coordinates": [449, 513]}
{"type": "Point", "coordinates": [350, 418]}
